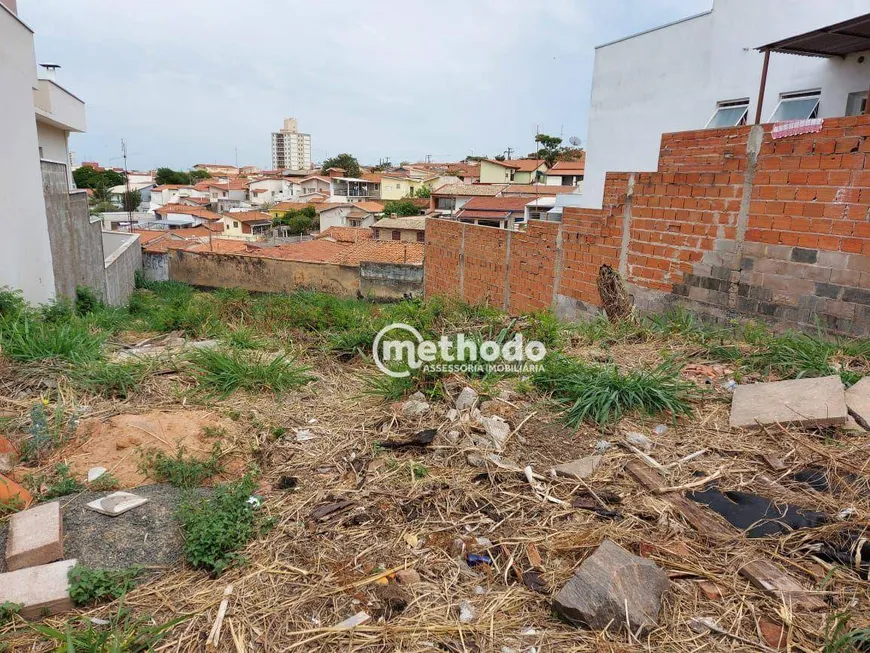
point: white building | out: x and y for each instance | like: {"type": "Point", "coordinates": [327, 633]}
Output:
{"type": "Point", "coordinates": [705, 71]}
{"type": "Point", "coordinates": [271, 190]}
{"type": "Point", "coordinates": [291, 149]}
{"type": "Point", "coordinates": [144, 189]}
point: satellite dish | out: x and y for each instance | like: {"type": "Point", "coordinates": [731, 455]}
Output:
{"type": "Point", "coordinates": [574, 141]}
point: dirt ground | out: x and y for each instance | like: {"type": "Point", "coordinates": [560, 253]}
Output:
{"type": "Point", "coordinates": [426, 509]}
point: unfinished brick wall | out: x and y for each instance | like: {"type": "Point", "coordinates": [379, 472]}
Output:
{"type": "Point", "coordinates": [733, 224]}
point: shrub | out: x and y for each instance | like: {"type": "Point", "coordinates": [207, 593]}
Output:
{"type": "Point", "coordinates": [58, 484]}
{"type": "Point", "coordinates": [86, 301]}
{"type": "Point", "coordinates": [217, 526]}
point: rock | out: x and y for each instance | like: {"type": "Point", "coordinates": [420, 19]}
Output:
{"type": "Point", "coordinates": [602, 445]}
{"type": "Point", "coordinates": [452, 414]}
{"type": "Point", "coordinates": [116, 503]}
{"type": "Point", "coordinates": [608, 582]}
{"type": "Point", "coordinates": [128, 441]}
{"type": "Point", "coordinates": [13, 495]}
{"type": "Point", "coordinates": [42, 590]}
{"type": "Point", "coordinates": [639, 440]}
{"type": "Point", "coordinates": [417, 396]}
{"type": "Point", "coordinates": [466, 612]}
{"type": "Point", "coordinates": [393, 598]}
{"type": "Point", "coordinates": [35, 537]}
{"type": "Point", "coordinates": [95, 472]}
{"type": "Point", "coordinates": [581, 468]}
{"type": "Point", "coordinates": [851, 425]}
{"type": "Point", "coordinates": [415, 407]}
{"type": "Point", "coordinates": [466, 399]}
{"type": "Point", "coordinates": [802, 402]}
{"type": "Point", "coordinates": [407, 577]}
{"type": "Point", "coordinates": [497, 429]}
{"type": "Point", "coordinates": [8, 456]}
{"type": "Point", "coordinates": [453, 436]}
{"type": "Point", "coordinates": [710, 590]}
{"type": "Point", "coordinates": [858, 402]}
{"type": "Point", "coordinates": [773, 633]}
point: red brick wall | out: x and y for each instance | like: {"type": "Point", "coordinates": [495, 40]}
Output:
{"type": "Point", "coordinates": [795, 250]}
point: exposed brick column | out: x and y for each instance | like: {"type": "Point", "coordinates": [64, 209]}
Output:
{"type": "Point", "coordinates": [506, 298]}
{"type": "Point", "coordinates": [753, 146]}
{"type": "Point", "coordinates": [626, 230]}
{"type": "Point", "coordinates": [462, 263]}
{"type": "Point", "coordinates": [557, 266]}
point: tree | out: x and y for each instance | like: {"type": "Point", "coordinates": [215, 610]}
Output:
{"type": "Point", "coordinates": [424, 192]}
{"type": "Point", "coordinates": [199, 175]}
{"type": "Point", "coordinates": [499, 157]}
{"type": "Point", "coordinates": [102, 193]}
{"type": "Point", "coordinates": [402, 208]}
{"type": "Point", "coordinates": [549, 150]}
{"type": "Point", "coordinates": [131, 200]}
{"type": "Point", "coordinates": [103, 207]}
{"type": "Point", "coordinates": [345, 161]}
{"type": "Point", "coordinates": [87, 177]}
{"type": "Point", "coordinates": [297, 221]}
{"type": "Point", "coordinates": [170, 176]}
{"type": "Point", "coordinates": [475, 159]}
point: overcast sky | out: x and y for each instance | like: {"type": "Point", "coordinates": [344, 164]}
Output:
{"type": "Point", "coordinates": [189, 81]}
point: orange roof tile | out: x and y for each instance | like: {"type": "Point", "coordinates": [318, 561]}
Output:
{"type": "Point", "coordinates": [496, 203]}
{"type": "Point", "coordinates": [221, 246]}
{"type": "Point", "coordinates": [569, 167]}
{"type": "Point", "coordinates": [381, 251]}
{"type": "Point", "coordinates": [148, 235]}
{"type": "Point", "coordinates": [537, 189]}
{"type": "Point", "coordinates": [248, 216]}
{"type": "Point", "coordinates": [198, 211]}
{"type": "Point", "coordinates": [315, 251]}
{"type": "Point", "coordinates": [170, 186]}
{"type": "Point", "coordinates": [346, 234]}
{"type": "Point", "coordinates": [520, 165]}
{"type": "Point", "coordinates": [370, 207]}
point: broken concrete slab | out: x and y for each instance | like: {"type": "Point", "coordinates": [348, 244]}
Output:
{"type": "Point", "coordinates": [858, 402]}
{"type": "Point", "coordinates": [612, 588]}
{"type": "Point", "coordinates": [168, 347]}
{"type": "Point", "coordinates": [802, 402]}
{"type": "Point", "coordinates": [116, 503]}
{"type": "Point", "coordinates": [467, 399]}
{"type": "Point", "coordinates": [35, 537]}
{"type": "Point", "coordinates": [497, 429]}
{"type": "Point", "coordinates": [581, 468]}
{"type": "Point", "coordinates": [42, 590]}
{"type": "Point", "coordinates": [415, 406]}
{"type": "Point", "coordinates": [95, 472]}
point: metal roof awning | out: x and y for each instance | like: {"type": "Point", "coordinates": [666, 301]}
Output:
{"type": "Point", "coordinates": [836, 40]}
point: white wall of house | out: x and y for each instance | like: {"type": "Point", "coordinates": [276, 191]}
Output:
{"type": "Point", "coordinates": [670, 79]}
{"type": "Point", "coordinates": [52, 142]}
{"type": "Point", "coordinates": [25, 251]}
{"type": "Point", "coordinates": [334, 217]}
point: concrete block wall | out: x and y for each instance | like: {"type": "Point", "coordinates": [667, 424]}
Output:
{"type": "Point", "coordinates": [734, 224]}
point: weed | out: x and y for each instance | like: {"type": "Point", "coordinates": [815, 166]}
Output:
{"type": "Point", "coordinates": [602, 395]}
{"type": "Point", "coordinates": [45, 434]}
{"type": "Point", "coordinates": [8, 610]}
{"type": "Point", "coordinates": [123, 634]}
{"type": "Point", "coordinates": [11, 302]}
{"type": "Point", "coordinates": [105, 482]}
{"type": "Point", "coordinates": [214, 432]}
{"type": "Point", "coordinates": [87, 301]}
{"type": "Point", "coordinates": [180, 470]}
{"type": "Point", "coordinates": [88, 586]}
{"type": "Point", "coordinates": [243, 338]}
{"type": "Point", "coordinates": [419, 471]}
{"type": "Point", "coordinates": [26, 339]}
{"type": "Point", "coordinates": [839, 638]}
{"type": "Point", "coordinates": [217, 526]}
{"type": "Point", "coordinates": [58, 484]}
{"type": "Point", "coordinates": [59, 310]}
{"type": "Point", "coordinates": [278, 432]}
{"type": "Point", "coordinates": [111, 380]}
{"type": "Point", "coordinates": [225, 372]}
{"type": "Point", "coordinates": [544, 327]}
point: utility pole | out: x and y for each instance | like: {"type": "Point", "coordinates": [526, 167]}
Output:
{"type": "Point", "coordinates": [428, 158]}
{"type": "Point", "coordinates": [508, 153]}
{"type": "Point", "coordinates": [127, 196]}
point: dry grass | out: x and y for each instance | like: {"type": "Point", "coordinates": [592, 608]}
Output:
{"type": "Point", "coordinates": [304, 577]}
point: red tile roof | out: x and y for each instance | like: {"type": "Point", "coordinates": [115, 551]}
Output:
{"type": "Point", "coordinates": [222, 246]}
{"type": "Point", "coordinates": [537, 189]}
{"type": "Point", "coordinates": [248, 217]}
{"type": "Point", "coordinates": [148, 235]}
{"type": "Point", "coordinates": [199, 212]}
{"type": "Point", "coordinates": [170, 186]}
{"type": "Point", "coordinates": [370, 207]}
{"type": "Point", "coordinates": [520, 165]}
{"type": "Point", "coordinates": [381, 251]}
{"type": "Point", "coordinates": [315, 251]}
{"type": "Point", "coordinates": [569, 167]}
{"type": "Point", "coordinates": [496, 204]}
{"type": "Point", "coordinates": [346, 234]}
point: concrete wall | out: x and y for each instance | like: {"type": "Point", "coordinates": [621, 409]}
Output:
{"type": "Point", "coordinates": [123, 258]}
{"type": "Point", "coordinates": [76, 240]}
{"type": "Point", "coordinates": [376, 280]}
{"type": "Point", "coordinates": [53, 142]}
{"type": "Point", "coordinates": [25, 248]}
{"type": "Point", "coordinates": [390, 280]}
{"type": "Point", "coordinates": [670, 79]}
{"type": "Point", "coordinates": [155, 267]}
{"type": "Point", "coordinates": [732, 225]}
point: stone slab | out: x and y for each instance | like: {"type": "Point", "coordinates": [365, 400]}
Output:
{"type": "Point", "coordinates": [858, 402]}
{"type": "Point", "coordinates": [42, 590]}
{"type": "Point", "coordinates": [802, 402]}
{"type": "Point", "coordinates": [35, 537]}
{"type": "Point", "coordinates": [116, 503]}
{"type": "Point", "coordinates": [582, 468]}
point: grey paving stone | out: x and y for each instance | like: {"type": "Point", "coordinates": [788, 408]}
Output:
{"type": "Point", "coordinates": [803, 402]}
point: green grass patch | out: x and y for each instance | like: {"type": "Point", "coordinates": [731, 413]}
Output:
{"type": "Point", "coordinates": [59, 483]}
{"type": "Point", "coordinates": [109, 379]}
{"type": "Point", "coordinates": [89, 586]}
{"type": "Point", "coordinates": [223, 372]}
{"type": "Point", "coordinates": [602, 395]}
{"type": "Point", "coordinates": [27, 339]}
{"type": "Point", "coordinates": [181, 469]}
{"type": "Point", "coordinates": [216, 527]}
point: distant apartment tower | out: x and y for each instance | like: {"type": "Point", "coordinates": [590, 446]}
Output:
{"type": "Point", "coordinates": [290, 149]}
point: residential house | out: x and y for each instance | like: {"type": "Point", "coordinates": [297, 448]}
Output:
{"type": "Point", "coordinates": [41, 213]}
{"type": "Point", "coordinates": [381, 251]}
{"type": "Point", "coordinates": [467, 174]}
{"type": "Point", "coordinates": [395, 186]}
{"type": "Point", "coordinates": [251, 170]}
{"type": "Point", "coordinates": [515, 171]}
{"type": "Point", "coordinates": [118, 192]}
{"type": "Point", "coordinates": [346, 214]}
{"type": "Point", "coordinates": [566, 173]}
{"type": "Point", "coordinates": [270, 190]}
{"type": "Point", "coordinates": [217, 169]}
{"type": "Point", "coordinates": [180, 215]}
{"type": "Point", "coordinates": [501, 212]}
{"type": "Point", "coordinates": [346, 234]}
{"type": "Point", "coordinates": [354, 189]}
{"type": "Point", "coordinates": [247, 225]}
{"type": "Point", "coordinates": [410, 229]}
{"type": "Point", "coordinates": [166, 194]}
{"type": "Point", "coordinates": [315, 184]}
{"type": "Point", "coordinates": [705, 71]}
{"type": "Point", "coordinates": [452, 197]}
{"type": "Point", "coordinates": [532, 190]}
{"type": "Point", "coordinates": [539, 208]}
{"type": "Point", "coordinates": [227, 195]}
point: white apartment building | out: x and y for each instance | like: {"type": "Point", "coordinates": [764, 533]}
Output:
{"type": "Point", "coordinates": [291, 150]}
{"type": "Point", "coordinates": [705, 71]}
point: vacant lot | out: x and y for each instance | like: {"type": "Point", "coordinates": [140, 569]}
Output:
{"type": "Point", "coordinates": [288, 407]}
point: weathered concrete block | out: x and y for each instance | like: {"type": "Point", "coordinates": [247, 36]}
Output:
{"type": "Point", "coordinates": [804, 402]}
{"type": "Point", "coordinates": [858, 402]}
{"type": "Point", "coordinates": [35, 537]}
{"type": "Point", "coordinates": [42, 590]}
{"type": "Point", "coordinates": [613, 587]}
{"type": "Point", "coordinates": [581, 468]}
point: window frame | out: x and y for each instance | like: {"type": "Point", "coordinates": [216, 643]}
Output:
{"type": "Point", "coordinates": [730, 104]}
{"type": "Point", "coordinates": [798, 95]}
{"type": "Point", "coordinates": [863, 98]}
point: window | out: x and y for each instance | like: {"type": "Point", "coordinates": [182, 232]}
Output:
{"type": "Point", "coordinates": [235, 224]}
{"type": "Point", "coordinates": [421, 236]}
{"type": "Point", "coordinates": [377, 234]}
{"type": "Point", "coordinates": [729, 114]}
{"type": "Point", "coordinates": [797, 106]}
{"type": "Point", "coordinates": [354, 223]}
{"type": "Point", "coordinates": [397, 235]}
{"type": "Point", "coordinates": [856, 103]}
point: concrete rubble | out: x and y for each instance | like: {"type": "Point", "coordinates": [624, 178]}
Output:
{"type": "Point", "coordinates": [613, 588]}
{"type": "Point", "coordinates": [581, 468]}
{"type": "Point", "coordinates": [800, 402]}
{"type": "Point", "coordinates": [467, 399]}
{"type": "Point", "coordinates": [858, 403]}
